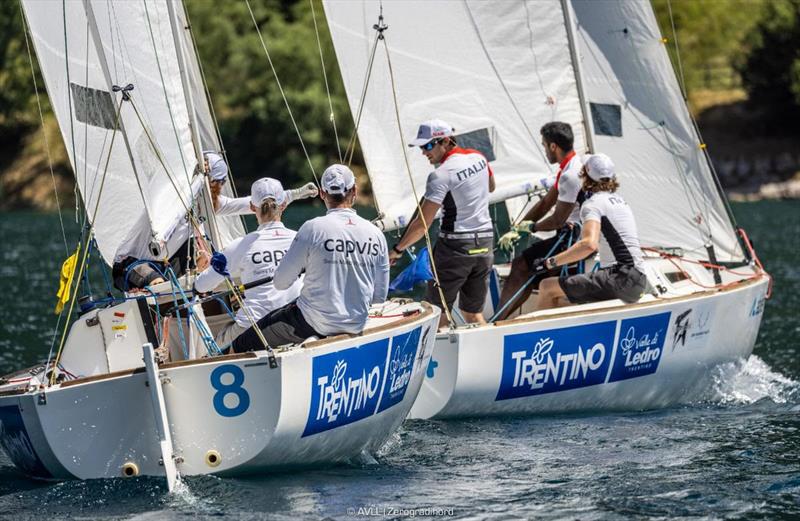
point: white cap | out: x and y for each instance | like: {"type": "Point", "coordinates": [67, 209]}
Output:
{"type": "Point", "coordinates": [599, 166]}
{"type": "Point", "coordinates": [338, 179]}
{"type": "Point", "coordinates": [217, 169]}
{"type": "Point", "coordinates": [267, 188]}
{"type": "Point", "coordinates": [430, 130]}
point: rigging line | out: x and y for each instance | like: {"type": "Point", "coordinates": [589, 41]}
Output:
{"type": "Point", "coordinates": [325, 77]}
{"type": "Point", "coordinates": [44, 131]}
{"type": "Point", "coordinates": [164, 90]}
{"type": "Point", "coordinates": [503, 84]}
{"type": "Point", "coordinates": [351, 145]}
{"type": "Point", "coordinates": [208, 99]}
{"type": "Point", "coordinates": [707, 156]}
{"type": "Point", "coordinates": [86, 121]}
{"type": "Point", "coordinates": [283, 94]}
{"type": "Point", "coordinates": [77, 279]}
{"type": "Point", "coordinates": [413, 185]}
{"type": "Point", "coordinates": [69, 97]}
{"type": "Point", "coordinates": [535, 57]}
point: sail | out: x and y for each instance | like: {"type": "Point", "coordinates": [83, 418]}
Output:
{"type": "Point", "coordinates": [496, 71]}
{"type": "Point", "coordinates": [639, 118]}
{"type": "Point", "coordinates": [140, 189]}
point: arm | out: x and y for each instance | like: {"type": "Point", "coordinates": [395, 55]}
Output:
{"type": "Point", "coordinates": [492, 184]}
{"type": "Point", "coordinates": [295, 260]}
{"type": "Point", "coordinates": [230, 206]}
{"type": "Point", "coordinates": [590, 239]}
{"type": "Point", "coordinates": [416, 230]}
{"type": "Point", "coordinates": [381, 287]}
{"type": "Point", "coordinates": [210, 279]}
{"type": "Point", "coordinates": [542, 206]}
{"type": "Point", "coordinates": [557, 219]}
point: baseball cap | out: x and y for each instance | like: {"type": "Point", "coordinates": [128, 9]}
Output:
{"type": "Point", "coordinates": [217, 169]}
{"type": "Point", "coordinates": [338, 179]}
{"type": "Point", "coordinates": [599, 166]}
{"type": "Point", "coordinates": [430, 130]}
{"type": "Point", "coordinates": [267, 188]}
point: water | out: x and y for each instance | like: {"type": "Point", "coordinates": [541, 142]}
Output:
{"type": "Point", "coordinates": [735, 454]}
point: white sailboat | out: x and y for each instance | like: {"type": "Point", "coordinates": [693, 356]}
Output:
{"type": "Point", "coordinates": [103, 407]}
{"type": "Point", "coordinates": [497, 71]}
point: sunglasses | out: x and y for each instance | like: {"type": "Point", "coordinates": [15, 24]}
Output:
{"type": "Point", "coordinates": [219, 181]}
{"type": "Point", "coordinates": [427, 147]}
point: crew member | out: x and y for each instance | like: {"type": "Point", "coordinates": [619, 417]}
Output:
{"type": "Point", "coordinates": [565, 196]}
{"type": "Point", "coordinates": [346, 269]}
{"type": "Point", "coordinates": [252, 258]}
{"type": "Point", "coordinates": [463, 254]}
{"type": "Point", "coordinates": [608, 223]}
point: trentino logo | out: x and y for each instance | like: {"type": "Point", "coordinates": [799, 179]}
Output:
{"type": "Point", "coordinates": [345, 386]}
{"type": "Point", "coordinates": [640, 346]}
{"type": "Point", "coordinates": [555, 360]}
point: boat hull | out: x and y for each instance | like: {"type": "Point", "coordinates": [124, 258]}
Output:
{"type": "Point", "coordinates": [228, 415]}
{"type": "Point", "coordinates": [636, 357]}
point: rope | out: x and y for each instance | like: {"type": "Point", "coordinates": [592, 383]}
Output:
{"type": "Point", "coordinates": [283, 94]}
{"type": "Point", "coordinates": [682, 82]}
{"type": "Point", "coordinates": [380, 27]}
{"type": "Point", "coordinates": [44, 131]}
{"type": "Point", "coordinates": [74, 297]}
{"type": "Point", "coordinates": [69, 98]}
{"type": "Point", "coordinates": [325, 78]}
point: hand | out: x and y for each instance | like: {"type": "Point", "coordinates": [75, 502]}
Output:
{"type": "Point", "coordinates": [203, 260]}
{"type": "Point", "coordinates": [304, 192]}
{"type": "Point", "coordinates": [219, 263]}
{"type": "Point", "coordinates": [507, 241]}
{"type": "Point", "coordinates": [523, 227]}
{"type": "Point", "coordinates": [394, 256]}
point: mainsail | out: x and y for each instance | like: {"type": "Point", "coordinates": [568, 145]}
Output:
{"type": "Point", "coordinates": [499, 70]}
{"type": "Point", "coordinates": [142, 189]}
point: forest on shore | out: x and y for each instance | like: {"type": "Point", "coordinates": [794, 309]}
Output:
{"type": "Point", "coordinates": [738, 60]}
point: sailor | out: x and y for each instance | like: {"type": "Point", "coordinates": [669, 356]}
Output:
{"type": "Point", "coordinates": [346, 269]}
{"type": "Point", "coordinates": [252, 258]}
{"type": "Point", "coordinates": [608, 223]}
{"type": "Point", "coordinates": [565, 195]}
{"type": "Point", "coordinates": [463, 254]}
{"type": "Point", "coordinates": [137, 266]}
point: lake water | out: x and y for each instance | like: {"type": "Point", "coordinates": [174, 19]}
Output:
{"type": "Point", "coordinates": [734, 454]}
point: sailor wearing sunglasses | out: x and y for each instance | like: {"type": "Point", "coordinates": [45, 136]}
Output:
{"type": "Point", "coordinates": [460, 186]}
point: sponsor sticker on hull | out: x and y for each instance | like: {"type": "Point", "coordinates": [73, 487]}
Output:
{"type": "Point", "coordinates": [641, 343]}
{"type": "Point", "coordinates": [555, 360]}
{"type": "Point", "coordinates": [355, 383]}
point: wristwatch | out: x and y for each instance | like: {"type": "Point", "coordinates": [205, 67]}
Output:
{"type": "Point", "coordinates": [550, 263]}
{"type": "Point", "coordinates": [394, 249]}
{"type": "Point", "coordinates": [532, 227]}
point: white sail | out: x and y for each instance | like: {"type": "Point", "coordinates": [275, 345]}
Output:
{"type": "Point", "coordinates": [498, 70]}
{"type": "Point", "coordinates": [507, 66]}
{"type": "Point", "coordinates": [84, 49]}
{"type": "Point", "coordinates": [631, 90]}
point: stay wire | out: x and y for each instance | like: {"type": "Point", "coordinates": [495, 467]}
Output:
{"type": "Point", "coordinates": [44, 130]}
{"type": "Point", "coordinates": [88, 238]}
{"type": "Point", "coordinates": [351, 145]}
{"type": "Point", "coordinates": [283, 94]}
{"type": "Point", "coordinates": [325, 78]}
{"type": "Point", "coordinates": [413, 186]}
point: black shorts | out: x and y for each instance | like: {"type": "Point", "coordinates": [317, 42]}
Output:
{"type": "Point", "coordinates": [623, 282]}
{"type": "Point", "coordinates": [285, 325]}
{"type": "Point", "coordinates": [545, 248]}
{"type": "Point", "coordinates": [463, 266]}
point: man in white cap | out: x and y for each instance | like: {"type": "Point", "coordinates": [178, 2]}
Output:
{"type": "Point", "coordinates": [608, 225]}
{"type": "Point", "coordinates": [464, 251]}
{"type": "Point", "coordinates": [346, 267]}
{"type": "Point", "coordinates": [254, 257]}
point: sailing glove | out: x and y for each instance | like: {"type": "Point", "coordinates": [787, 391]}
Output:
{"type": "Point", "coordinates": [507, 241]}
{"type": "Point", "coordinates": [304, 192]}
{"type": "Point", "coordinates": [219, 263]}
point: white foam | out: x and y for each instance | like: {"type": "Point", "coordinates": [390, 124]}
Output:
{"type": "Point", "coordinates": [749, 382]}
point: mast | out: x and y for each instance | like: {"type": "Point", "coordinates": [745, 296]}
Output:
{"type": "Point", "coordinates": [193, 126]}
{"type": "Point", "coordinates": [576, 66]}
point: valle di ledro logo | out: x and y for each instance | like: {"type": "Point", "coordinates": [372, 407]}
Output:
{"type": "Point", "coordinates": [555, 360]}
{"type": "Point", "coordinates": [346, 385]}
{"type": "Point", "coordinates": [640, 346]}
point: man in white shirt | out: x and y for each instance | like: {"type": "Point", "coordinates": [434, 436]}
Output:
{"type": "Point", "coordinates": [346, 267]}
{"type": "Point", "coordinates": [255, 257]}
{"type": "Point", "coordinates": [564, 197]}
{"type": "Point", "coordinates": [464, 251]}
{"type": "Point", "coordinates": [608, 225]}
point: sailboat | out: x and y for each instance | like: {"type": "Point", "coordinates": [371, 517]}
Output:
{"type": "Point", "coordinates": [497, 71]}
{"type": "Point", "coordinates": [127, 91]}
